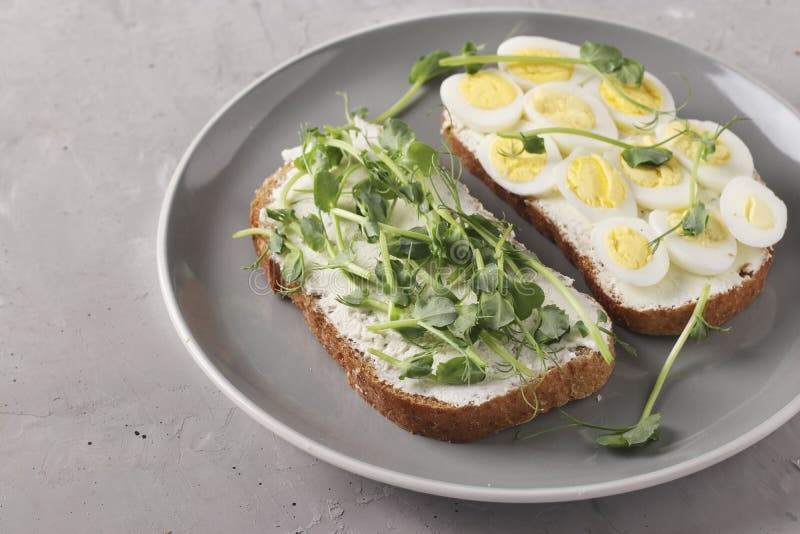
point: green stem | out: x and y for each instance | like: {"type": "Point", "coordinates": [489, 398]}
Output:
{"type": "Point", "coordinates": [498, 254]}
{"type": "Point", "coordinates": [385, 357]}
{"type": "Point", "coordinates": [252, 231]}
{"type": "Point", "coordinates": [287, 187]}
{"type": "Point", "coordinates": [587, 320]}
{"type": "Point", "coordinates": [676, 349]}
{"type": "Point", "coordinates": [345, 147]}
{"type": "Point", "coordinates": [570, 131]}
{"type": "Point", "coordinates": [339, 239]}
{"type": "Point", "coordinates": [357, 270]}
{"type": "Point", "coordinates": [388, 228]}
{"type": "Point", "coordinates": [400, 104]}
{"type": "Point", "coordinates": [577, 421]}
{"type": "Point", "coordinates": [389, 325]}
{"type": "Point", "coordinates": [459, 61]}
{"type": "Point", "coordinates": [498, 349]}
{"type": "Point", "coordinates": [693, 177]}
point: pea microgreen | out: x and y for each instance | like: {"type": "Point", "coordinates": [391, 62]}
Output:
{"type": "Point", "coordinates": [425, 69]}
{"type": "Point", "coordinates": [647, 427]}
{"type": "Point", "coordinates": [695, 219]}
{"type": "Point", "coordinates": [454, 281]}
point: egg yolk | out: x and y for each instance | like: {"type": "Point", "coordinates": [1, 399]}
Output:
{"type": "Point", "coordinates": [685, 143]}
{"type": "Point", "coordinates": [665, 175]}
{"type": "Point", "coordinates": [627, 247]}
{"type": "Point", "coordinates": [758, 213]}
{"type": "Point", "coordinates": [521, 167]}
{"type": "Point", "coordinates": [541, 72]}
{"type": "Point", "coordinates": [487, 90]}
{"type": "Point", "coordinates": [714, 234]}
{"type": "Point", "coordinates": [595, 182]}
{"type": "Point", "coordinates": [564, 109]}
{"type": "Point", "coordinates": [647, 94]}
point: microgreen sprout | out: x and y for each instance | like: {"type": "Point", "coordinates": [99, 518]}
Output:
{"type": "Point", "coordinates": [647, 426]}
{"type": "Point", "coordinates": [455, 284]}
{"type": "Point", "coordinates": [695, 219]}
{"type": "Point", "coordinates": [634, 155]}
{"type": "Point", "coordinates": [603, 60]}
{"type": "Point", "coordinates": [425, 69]}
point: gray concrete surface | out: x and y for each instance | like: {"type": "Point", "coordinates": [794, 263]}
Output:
{"type": "Point", "coordinates": [106, 424]}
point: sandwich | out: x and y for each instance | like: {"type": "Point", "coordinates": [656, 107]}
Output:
{"type": "Point", "coordinates": [587, 145]}
{"type": "Point", "coordinates": [440, 319]}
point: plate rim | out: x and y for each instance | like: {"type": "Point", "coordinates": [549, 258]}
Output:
{"type": "Point", "coordinates": [398, 478]}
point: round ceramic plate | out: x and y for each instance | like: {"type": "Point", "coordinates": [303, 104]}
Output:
{"type": "Point", "coordinates": [722, 395]}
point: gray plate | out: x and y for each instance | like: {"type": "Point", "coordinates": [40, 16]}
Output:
{"type": "Point", "coordinates": [723, 395]}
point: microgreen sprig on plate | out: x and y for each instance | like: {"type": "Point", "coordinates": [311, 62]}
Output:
{"type": "Point", "coordinates": [646, 428]}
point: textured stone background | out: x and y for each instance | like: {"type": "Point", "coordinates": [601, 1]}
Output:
{"type": "Point", "coordinates": [106, 424]}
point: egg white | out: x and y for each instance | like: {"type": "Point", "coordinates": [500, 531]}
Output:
{"type": "Point", "coordinates": [481, 120]}
{"type": "Point", "coordinates": [604, 125]}
{"type": "Point", "coordinates": [626, 209]}
{"type": "Point", "coordinates": [509, 47]}
{"type": "Point", "coordinates": [628, 119]}
{"type": "Point", "coordinates": [651, 273]}
{"type": "Point", "coordinates": [731, 205]}
{"type": "Point", "coordinates": [668, 197]}
{"type": "Point", "coordinates": [714, 177]}
{"type": "Point", "coordinates": [694, 257]}
{"type": "Point", "coordinates": [542, 183]}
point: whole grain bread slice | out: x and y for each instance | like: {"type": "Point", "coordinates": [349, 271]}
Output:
{"type": "Point", "coordinates": [655, 320]}
{"type": "Point", "coordinates": [577, 378]}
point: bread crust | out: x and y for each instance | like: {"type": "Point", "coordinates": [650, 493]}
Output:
{"type": "Point", "coordinates": [657, 320]}
{"type": "Point", "coordinates": [577, 378]}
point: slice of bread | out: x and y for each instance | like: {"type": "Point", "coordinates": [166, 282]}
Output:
{"type": "Point", "coordinates": [575, 378]}
{"type": "Point", "coordinates": [649, 317]}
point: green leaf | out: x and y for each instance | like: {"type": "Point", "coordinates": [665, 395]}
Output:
{"type": "Point", "coordinates": [627, 347]}
{"type": "Point", "coordinates": [418, 366]}
{"type": "Point", "coordinates": [396, 135]}
{"type": "Point", "coordinates": [646, 156]}
{"type": "Point", "coordinates": [533, 144]}
{"type": "Point", "coordinates": [406, 247]}
{"type": "Point", "coordinates": [459, 371]}
{"type": "Point", "coordinates": [695, 220]}
{"type": "Point", "coordinates": [604, 58]}
{"type": "Point", "coordinates": [436, 311]}
{"type": "Point", "coordinates": [526, 297]}
{"type": "Point", "coordinates": [313, 232]}
{"type": "Point", "coordinates": [292, 266]}
{"type": "Point", "coordinates": [422, 157]}
{"type": "Point", "coordinates": [427, 67]}
{"type": "Point", "coordinates": [580, 326]}
{"type": "Point", "coordinates": [325, 157]}
{"type": "Point", "coordinates": [284, 215]}
{"type": "Point", "coordinates": [412, 192]}
{"type": "Point", "coordinates": [470, 49]}
{"type": "Point", "coordinates": [326, 190]}
{"type": "Point", "coordinates": [370, 201]}
{"type": "Point", "coordinates": [356, 298]}
{"type": "Point", "coordinates": [402, 275]}
{"type": "Point", "coordinates": [642, 433]}
{"type": "Point", "coordinates": [275, 242]}
{"type": "Point", "coordinates": [467, 317]}
{"type": "Point", "coordinates": [630, 72]}
{"type": "Point", "coordinates": [553, 324]}
{"type": "Point", "coordinates": [700, 329]}
{"type": "Point", "coordinates": [485, 280]}
{"type": "Point", "coordinates": [496, 312]}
